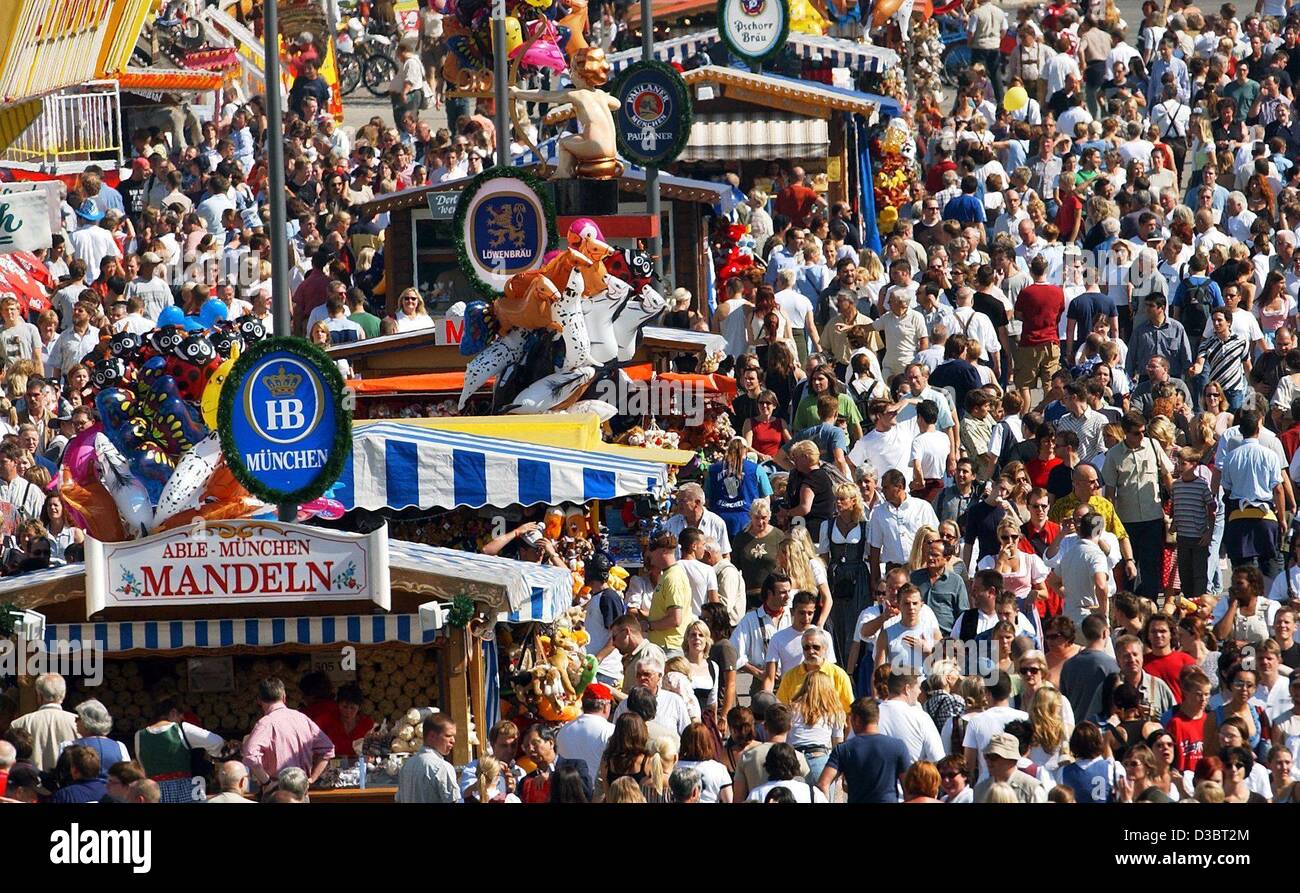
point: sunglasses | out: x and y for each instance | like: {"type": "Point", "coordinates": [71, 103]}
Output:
{"type": "Point", "coordinates": [1026, 671]}
{"type": "Point", "coordinates": [1038, 505]}
{"type": "Point", "coordinates": [949, 776]}
{"type": "Point", "coordinates": [1234, 765]}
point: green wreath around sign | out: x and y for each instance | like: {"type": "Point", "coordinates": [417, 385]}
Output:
{"type": "Point", "coordinates": [683, 97]}
{"type": "Point", "coordinates": [534, 183]}
{"type": "Point", "coordinates": [226, 407]}
{"type": "Point", "coordinates": [749, 57]}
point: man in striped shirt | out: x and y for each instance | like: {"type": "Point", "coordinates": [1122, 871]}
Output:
{"type": "Point", "coordinates": [1082, 420]}
{"type": "Point", "coordinates": [1225, 358]}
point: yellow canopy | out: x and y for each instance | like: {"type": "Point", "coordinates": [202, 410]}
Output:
{"type": "Point", "coordinates": [575, 431]}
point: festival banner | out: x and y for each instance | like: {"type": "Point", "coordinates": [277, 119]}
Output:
{"type": "Point", "coordinates": [238, 562]}
{"type": "Point", "coordinates": [653, 122]}
{"type": "Point", "coordinates": [755, 30]}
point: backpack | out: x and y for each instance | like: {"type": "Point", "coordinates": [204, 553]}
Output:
{"type": "Point", "coordinates": [1196, 306]}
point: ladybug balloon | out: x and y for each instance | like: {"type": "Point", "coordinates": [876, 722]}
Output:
{"type": "Point", "coordinates": [227, 342]}
{"type": "Point", "coordinates": [250, 328]}
{"type": "Point", "coordinates": [192, 362]}
{"type": "Point", "coordinates": [163, 341]}
{"type": "Point", "coordinates": [125, 346]}
{"type": "Point", "coordinates": [110, 372]}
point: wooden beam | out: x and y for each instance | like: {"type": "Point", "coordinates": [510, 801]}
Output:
{"type": "Point", "coordinates": [477, 694]}
{"type": "Point", "coordinates": [617, 226]}
{"type": "Point", "coordinates": [456, 698]}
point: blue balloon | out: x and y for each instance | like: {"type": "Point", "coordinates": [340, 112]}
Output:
{"type": "Point", "coordinates": [171, 316]}
{"type": "Point", "coordinates": [213, 311]}
{"type": "Point", "coordinates": [193, 324]}
{"type": "Point", "coordinates": [474, 335]}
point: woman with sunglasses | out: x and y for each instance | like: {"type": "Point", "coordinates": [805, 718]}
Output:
{"type": "Point", "coordinates": [411, 315]}
{"type": "Point", "coordinates": [1023, 573]}
{"type": "Point", "coordinates": [1238, 763]}
{"type": "Point", "coordinates": [764, 432]}
{"type": "Point", "coordinates": [1138, 784]}
{"type": "Point", "coordinates": [1238, 703]}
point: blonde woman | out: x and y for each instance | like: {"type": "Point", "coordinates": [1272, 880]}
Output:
{"type": "Point", "coordinates": [797, 557]}
{"type": "Point", "coordinates": [624, 790]}
{"type": "Point", "coordinates": [925, 534]}
{"type": "Point", "coordinates": [411, 315]}
{"type": "Point", "coordinates": [733, 484]}
{"type": "Point", "coordinates": [816, 722]}
{"type": "Point", "coordinates": [1023, 573]}
{"type": "Point", "coordinates": [1051, 735]}
{"type": "Point", "coordinates": [489, 770]}
{"type": "Point", "coordinates": [872, 276]}
{"type": "Point", "coordinates": [658, 768]}
{"type": "Point", "coordinates": [844, 543]}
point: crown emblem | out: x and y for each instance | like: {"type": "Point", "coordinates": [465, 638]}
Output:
{"type": "Point", "coordinates": [282, 383]}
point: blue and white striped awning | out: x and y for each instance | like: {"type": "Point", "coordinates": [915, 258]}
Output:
{"type": "Point", "coordinates": [170, 635]}
{"type": "Point", "coordinates": [838, 52]}
{"type": "Point", "coordinates": [398, 466]}
{"type": "Point", "coordinates": [534, 591]}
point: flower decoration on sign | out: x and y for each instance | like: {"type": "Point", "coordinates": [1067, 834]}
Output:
{"type": "Point", "coordinates": [130, 587]}
{"type": "Point", "coordinates": [346, 578]}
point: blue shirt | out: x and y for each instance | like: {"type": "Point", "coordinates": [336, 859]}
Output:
{"type": "Point", "coordinates": [779, 260]}
{"type": "Point", "coordinates": [1086, 308]}
{"type": "Point", "coordinates": [1184, 287]}
{"type": "Point", "coordinates": [965, 209]}
{"type": "Point", "coordinates": [1155, 89]}
{"type": "Point", "coordinates": [872, 765]}
{"type": "Point", "coordinates": [1217, 203]}
{"type": "Point", "coordinates": [1251, 472]}
{"type": "Point", "coordinates": [86, 791]}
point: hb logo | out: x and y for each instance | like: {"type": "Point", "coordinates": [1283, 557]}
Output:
{"type": "Point", "coordinates": [284, 412]}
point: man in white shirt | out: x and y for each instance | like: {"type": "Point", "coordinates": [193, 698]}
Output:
{"type": "Point", "coordinates": [702, 577]}
{"type": "Point", "coordinates": [974, 324]}
{"type": "Point", "coordinates": [583, 740]}
{"type": "Point", "coordinates": [671, 711]}
{"type": "Point", "coordinates": [785, 650]}
{"type": "Point", "coordinates": [982, 726]}
{"type": "Point", "coordinates": [1238, 218]}
{"type": "Point", "coordinates": [754, 633]}
{"type": "Point", "coordinates": [1136, 147]}
{"type": "Point", "coordinates": [692, 513]}
{"type": "Point", "coordinates": [72, 346]}
{"type": "Point", "coordinates": [798, 310]}
{"type": "Point", "coordinates": [888, 445]}
{"type": "Point", "coordinates": [731, 582]}
{"type": "Point", "coordinates": [1084, 573]}
{"type": "Point", "coordinates": [91, 243]}
{"type": "Point", "coordinates": [894, 523]}
{"type": "Point", "coordinates": [901, 717]}
{"type": "Point", "coordinates": [154, 293]}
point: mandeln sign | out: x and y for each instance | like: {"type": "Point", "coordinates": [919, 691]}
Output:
{"type": "Point", "coordinates": [238, 562]}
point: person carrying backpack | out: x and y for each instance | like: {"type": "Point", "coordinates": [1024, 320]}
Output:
{"type": "Point", "coordinates": [1196, 296]}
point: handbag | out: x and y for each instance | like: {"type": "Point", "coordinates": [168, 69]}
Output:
{"type": "Point", "coordinates": [200, 762]}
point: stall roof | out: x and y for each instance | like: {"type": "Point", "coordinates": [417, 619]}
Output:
{"type": "Point", "coordinates": [402, 466]}
{"type": "Point", "coordinates": [519, 590]}
{"type": "Point", "coordinates": [840, 53]}
{"type": "Point", "coordinates": [674, 188]}
{"type": "Point", "coordinates": [169, 80]}
{"type": "Point", "coordinates": [791, 94]}
{"type": "Point", "coordinates": [659, 336]}
{"type": "Point", "coordinates": [745, 136]}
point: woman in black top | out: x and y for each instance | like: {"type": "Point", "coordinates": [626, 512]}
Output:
{"type": "Point", "coordinates": [783, 375]}
{"type": "Point", "coordinates": [810, 493]}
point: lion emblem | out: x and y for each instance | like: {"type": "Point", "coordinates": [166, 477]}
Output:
{"type": "Point", "coordinates": [507, 223]}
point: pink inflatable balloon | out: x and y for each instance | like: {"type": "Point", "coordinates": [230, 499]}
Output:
{"type": "Point", "coordinates": [79, 456]}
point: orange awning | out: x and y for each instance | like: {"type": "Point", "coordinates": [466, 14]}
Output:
{"type": "Point", "coordinates": [429, 382]}
{"type": "Point", "coordinates": [170, 80]}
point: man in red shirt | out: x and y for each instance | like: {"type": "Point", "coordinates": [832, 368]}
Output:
{"type": "Point", "coordinates": [798, 200]}
{"type": "Point", "coordinates": [1162, 661]}
{"type": "Point", "coordinates": [1039, 307]}
{"type": "Point", "coordinates": [313, 292]}
{"type": "Point", "coordinates": [1187, 722]}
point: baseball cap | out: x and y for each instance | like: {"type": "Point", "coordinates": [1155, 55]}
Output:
{"type": "Point", "coordinates": [598, 691]}
{"type": "Point", "coordinates": [1003, 745]}
{"type": "Point", "coordinates": [760, 703]}
{"type": "Point", "coordinates": [141, 165]}
{"type": "Point", "coordinates": [150, 257]}
{"type": "Point", "coordinates": [27, 777]}
{"type": "Point", "coordinates": [90, 211]}
{"type": "Point", "coordinates": [597, 568]}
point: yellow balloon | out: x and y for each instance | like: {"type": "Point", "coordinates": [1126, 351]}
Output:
{"type": "Point", "coordinates": [514, 34]}
{"type": "Point", "coordinates": [212, 391]}
{"type": "Point", "coordinates": [1015, 99]}
{"type": "Point", "coordinates": [805, 19]}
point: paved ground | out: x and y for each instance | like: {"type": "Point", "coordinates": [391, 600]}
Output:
{"type": "Point", "coordinates": [360, 107]}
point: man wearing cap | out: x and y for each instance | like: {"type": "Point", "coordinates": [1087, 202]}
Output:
{"type": "Point", "coordinates": [153, 293]}
{"type": "Point", "coordinates": [24, 786]}
{"type": "Point", "coordinates": [90, 242]}
{"type": "Point", "coordinates": [583, 740]}
{"type": "Point", "coordinates": [1001, 755]}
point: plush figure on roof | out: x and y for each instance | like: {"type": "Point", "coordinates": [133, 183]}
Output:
{"type": "Point", "coordinates": [740, 258]}
{"type": "Point", "coordinates": [592, 152]}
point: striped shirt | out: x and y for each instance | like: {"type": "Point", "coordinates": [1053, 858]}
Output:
{"type": "Point", "coordinates": [1192, 503]}
{"type": "Point", "coordinates": [1089, 427]}
{"type": "Point", "coordinates": [1225, 361]}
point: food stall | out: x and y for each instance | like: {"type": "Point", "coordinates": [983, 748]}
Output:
{"type": "Point", "coordinates": [203, 614]}
{"type": "Point", "coordinates": [419, 249]}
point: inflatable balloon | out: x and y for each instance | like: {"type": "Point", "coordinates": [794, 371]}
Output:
{"type": "Point", "coordinates": [475, 333]}
{"type": "Point", "coordinates": [185, 488]}
{"type": "Point", "coordinates": [223, 498]}
{"type": "Point", "coordinates": [322, 507]}
{"type": "Point", "coordinates": [110, 372]}
{"type": "Point", "coordinates": [1015, 99]}
{"type": "Point", "coordinates": [126, 346]}
{"type": "Point", "coordinates": [507, 349]}
{"type": "Point", "coordinates": [250, 329]}
{"type": "Point", "coordinates": [805, 19]}
{"type": "Point", "coordinates": [132, 499]}
{"type": "Point", "coordinates": [567, 313]}
{"type": "Point", "coordinates": [212, 393]}
{"type": "Point", "coordinates": [179, 424]}
{"type": "Point", "coordinates": [79, 455]}
{"type": "Point", "coordinates": [163, 341]}
{"type": "Point", "coordinates": [171, 316]}
{"type": "Point", "coordinates": [150, 465]}
{"type": "Point", "coordinates": [556, 391]}
{"type": "Point", "coordinates": [116, 407]}
{"type": "Point", "coordinates": [193, 324]}
{"type": "Point", "coordinates": [193, 362]}
{"type": "Point", "coordinates": [213, 311]}
{"type": "Point", "coordinates": [93, 503]}
{"type": "Point", "coordinates": [514, 34]}
{"type": "Point", "coordinates": [227, 343]}
{"type": "Point", "coordinates": [883, 10]}
{"type": "Point", "coordinates": [615, 319]}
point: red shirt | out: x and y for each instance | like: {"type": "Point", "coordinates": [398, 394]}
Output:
{"type": "Point", "coordinates": [1190, 736]}
{"type": "Point", "coordinates": [934, 176]}
{"type": "Point", "coordinates": [1070, 208]}
{"type": "Point", "coordinates": [1168, 668]}
{"type": "Point", "coordinates": [1040, 307]}
{"type": "Point", "coordinates": [1290, 439]}
{"type": "Point", "coordinates": [1040, 469]}
{"type": "Point", "coordinates": [796, 201]}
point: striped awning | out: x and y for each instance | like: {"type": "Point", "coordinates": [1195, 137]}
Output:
{"type": "Point", "coordinates": [534, 591]}
{"type": "Point", "coordinates": [742, 136]}
{"type": "Point", "coordinates": [169, 80]}
{"type": "Point", "coordinates": [397, 467]}
{"type": "Point", "coordinates": [164, 635]}
{"type": "Point", "coordinates": [839, 53]}
{"type": "Point", "coordinates": [16, 118]}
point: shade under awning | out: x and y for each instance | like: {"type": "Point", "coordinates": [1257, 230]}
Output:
{"type": "Point", "coordinates": [741, 136]}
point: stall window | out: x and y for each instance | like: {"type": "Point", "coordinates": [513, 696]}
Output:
{"type": "Point", "coordinates": [437, 273]}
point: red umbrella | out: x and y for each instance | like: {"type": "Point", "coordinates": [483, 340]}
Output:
{"type": "Point", "coordinates": [23, 276]}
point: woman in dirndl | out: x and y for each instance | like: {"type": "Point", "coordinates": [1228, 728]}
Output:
{"type": "Point", "coordinates": [844, 541]}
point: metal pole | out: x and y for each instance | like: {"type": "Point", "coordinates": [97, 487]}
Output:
{"type": "Point", "coordinates": [651, 171]}
{"type": "Point", "coordinates": [500, 87]}
{"type": "Point", "coordinates": [275, 164]}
